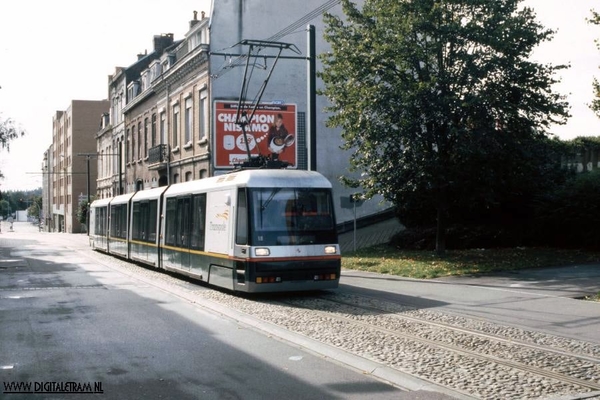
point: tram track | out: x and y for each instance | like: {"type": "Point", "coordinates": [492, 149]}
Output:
{"type": "Point", "coordinates": [581, 350]}
{"type": "Point", "coordinates": [583, 363]}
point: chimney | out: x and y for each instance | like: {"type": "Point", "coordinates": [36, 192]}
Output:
{"type": "Point", "coordinates": [161, 42]}
{"type": "Point", "coordinates": [195, 20]}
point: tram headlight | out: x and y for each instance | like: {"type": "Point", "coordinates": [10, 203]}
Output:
{"type": "Point", "coordinates": [330, 250]}
{"type": "Point", "coordinates": [262, 251]}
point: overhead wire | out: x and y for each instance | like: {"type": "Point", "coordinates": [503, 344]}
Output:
{"type": "Point", "coordinates": [292, 28]}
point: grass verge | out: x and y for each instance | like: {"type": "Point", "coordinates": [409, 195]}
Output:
{"type": "Point", "coordinates": [385, 259]}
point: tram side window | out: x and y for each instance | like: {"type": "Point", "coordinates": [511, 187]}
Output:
{"type": "Point", "coordinates": [183, 222]}
{"type": "Point", "coordinates": [171, 221]}
{"type": "Point", "coordinates": [144, 221]}
{"type": "Point", "coordinates": [136, 229]}
{"type": "Point", "coordinates": [100, 221]}
{"type": "Point", "coordinates": [118, 216]}
{"type": "Point", "coordinates": [198, 227]}
{"type": "Point", "coordinates": [151, 218]}
{"type": "Point", "coordinates": [241, 229]}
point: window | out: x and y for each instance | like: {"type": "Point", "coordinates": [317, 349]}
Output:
{"type": "Point", "coordinates": [139, 145]}
{"type": "Point", "coordinates": [133, 89]}
{"type": "Point", "coordinates": [156, 68]}
{"type": "Point", "coordinates": [175, 126]}
{"type": "Point", "coordinates": [115, 113]}
{"type": "Point", "coordinates": [136, 226]}
{"type": "Point", "coordinates": [146, 137]}
{"type": "Point", "coordinates": [163, 128]}
{"type": "Point", "coordinates": [188, 120]}
{"type": "Point", "coordinates": [241, 230]}
{"type": "Point", "coordinates": [101, 166]}
{"type": "Point", "coordinates": [118, 221]}
{"type": "Point", "coordinates": [132, 143]}
{"type": "Point", "coordinates": [198, 227]}
{"type": "Point", "coordinates": [194, 40]}
{"type": "Point", "coordinates": [170, 221]}
{"type": "Point", "coordinates": [144, 221]}
{"type": "Point", "coordinates": [153, 134]}
{"type": "Point", "coordinates": [202, 114]}
{"type": "Point", "coordinates": [188, 176]}
{"type": "Point", "coordinates": [100, 221]}
{"type": "Point", "coordinates": [291, 216]}
{"type": "Point", "coordinates": [183, 222]}
{"type": "Point", "coordinates": [178, 222]}
{"type": "Point", "coordinates": [145, 80]}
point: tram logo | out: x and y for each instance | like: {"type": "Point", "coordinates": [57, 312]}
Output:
{"type": "Point", "coordinates": [224, 215]}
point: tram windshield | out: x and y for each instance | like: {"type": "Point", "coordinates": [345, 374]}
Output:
{"type": "Point", "coordinates": [282, 216]}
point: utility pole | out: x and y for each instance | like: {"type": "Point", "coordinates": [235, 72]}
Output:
{"type": "Point", "coordinates": [88, 156]}
{"type": "Point", "coordinates": [312, 100]}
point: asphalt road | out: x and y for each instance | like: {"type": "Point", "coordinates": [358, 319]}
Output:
{"type": "Point", "coordinates": [65, 317]}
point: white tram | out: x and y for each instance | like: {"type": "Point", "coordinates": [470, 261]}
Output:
{"type": "Point", "coordinates": [262, 230]}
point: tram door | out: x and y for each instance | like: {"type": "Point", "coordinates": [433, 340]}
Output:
{"type": "Point", "coordinates": [182, 241]}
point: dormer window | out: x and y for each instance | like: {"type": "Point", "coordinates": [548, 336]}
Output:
{"type": "Point", "coordinates": [133, 89]}
{"type": "Point", "coordinates": [155, 70]}
{"type": "Point", "coordinates": [145, 80]}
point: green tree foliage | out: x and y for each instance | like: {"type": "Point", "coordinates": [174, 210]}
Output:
{"type": "Point", "coordinates": [14, 200]}
{"type": "Point", "coordinates": [82, 211]}
{"type": "Point", "coordinates": [4, 208]}
{"type": "Point", "coordinates": [439, 99]}
{"type": "Point", "coordinates": [35, 207]}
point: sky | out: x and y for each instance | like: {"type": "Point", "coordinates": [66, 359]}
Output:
{"type": "Point", "coordinates": [56, 51]}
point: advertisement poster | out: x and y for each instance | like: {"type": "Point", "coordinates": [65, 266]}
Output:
{"type": "Point", "coordinates": [272, 133]}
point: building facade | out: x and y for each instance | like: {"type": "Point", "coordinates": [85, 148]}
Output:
{"type": "Point", "coordinates": [71, 170]}
{"type": "Point", "coordinates": [47, 189]}
{"type": "Point", "coordinates": [185, 100]}
{"type": "Point", "coordinates": [166, 118]}
{"type": "Point", "coordinates": [110, 139]}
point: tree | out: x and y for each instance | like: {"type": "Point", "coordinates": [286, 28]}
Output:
{"type": "Point", "coordinates": [595, 105]}
{"type": "Point", "coordinates": [425, 91]}
{"type": "Point", "coordinates": [8, 132]}
{"type": "Point", "coordinates": [4, 208]}
{"type": "Point", "coordinates": [83, 211]}
{"type": "Point", "coordinates": [36, 206]}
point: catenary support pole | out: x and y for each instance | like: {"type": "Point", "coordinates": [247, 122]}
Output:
{"type": "Point", "coordinates": [312, 101]}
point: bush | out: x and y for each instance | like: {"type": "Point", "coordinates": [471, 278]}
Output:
{"type": "Point", "coordinates": [460, 237]}
{"type": "Point", "coordinates": [570, 216]}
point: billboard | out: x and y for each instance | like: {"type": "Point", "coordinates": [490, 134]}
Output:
{"type": "Point", "coordinates": [272, 133]}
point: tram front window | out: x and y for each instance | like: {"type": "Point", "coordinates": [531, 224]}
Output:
{"type": "Point", "coordinates": [282, 216]}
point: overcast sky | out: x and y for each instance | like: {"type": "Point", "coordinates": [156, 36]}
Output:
{"type": "Point", "coordinates": [56, 51]}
